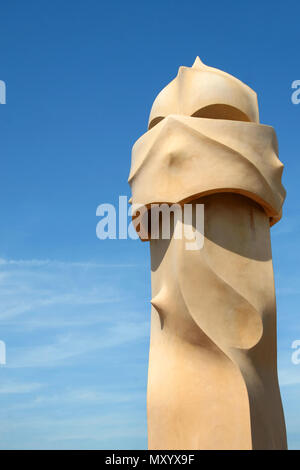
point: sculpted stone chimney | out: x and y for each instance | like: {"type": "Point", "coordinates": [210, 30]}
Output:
{"type": "Point", "coordinates": [212, 381]}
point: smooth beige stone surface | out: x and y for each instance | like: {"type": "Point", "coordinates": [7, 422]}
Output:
{"type": "Point", "coordinates": [186, 157]}
{"type": "Point", "coordinates": [212, 380]}
{"type": "Point", "coordinates": [205, 91]}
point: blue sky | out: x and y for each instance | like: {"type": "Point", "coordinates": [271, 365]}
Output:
{"type": "Point", "coordinates": [81, 77]}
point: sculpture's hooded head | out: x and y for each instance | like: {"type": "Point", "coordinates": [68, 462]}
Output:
{"type": "Point", "coordinates": [207, 92]}
{"type": "Point", "coordinates": [204, 137]}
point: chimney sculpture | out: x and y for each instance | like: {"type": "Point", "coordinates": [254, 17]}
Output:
{"type": "Point", "coordinates": [212, 380]}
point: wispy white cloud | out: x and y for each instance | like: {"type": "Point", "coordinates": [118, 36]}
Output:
{"type": "Point", "coordinates": [94, 427]}
{"type": "Point", "coordinates": [68, 346]}
{"type": "Point", "coordinates": [70, 397]}
{"type": "Point", "coordinates": [12, 387]}
{"type": "Point", "coordinates": [70, 300]}
{"type": "Point", "coordinates": [56, 315]}
{"type": "Point", "coordinates": [32, 263]}
{"type": "Point", "coordinates": [289, 377]}
{"type": "Point", "coordinates": [89, 297]}
{"type": "Point", "coordinates": [35, 286]}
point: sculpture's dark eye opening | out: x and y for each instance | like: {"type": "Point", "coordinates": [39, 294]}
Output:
{"type": "Point", "coordinates": [213, 111]}
{"type": "Point", "coordinates": [221, 111]}
{"type": "Point", "coordinates": [155, 121]}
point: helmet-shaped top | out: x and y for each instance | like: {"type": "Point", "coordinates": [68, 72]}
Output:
{"type": "Point", "coordinates": [205, 92]}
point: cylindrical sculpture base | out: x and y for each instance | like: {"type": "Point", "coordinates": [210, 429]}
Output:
{"type": "Point", "coordinates": [212, 380]}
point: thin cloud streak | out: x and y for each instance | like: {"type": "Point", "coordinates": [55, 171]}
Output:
{"type": "Point", "coordinates": [11, 387]}
{"type": "Point", "coordinates": [61, 264]}
{"type": "Point", "coordinates": [69, 346]}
